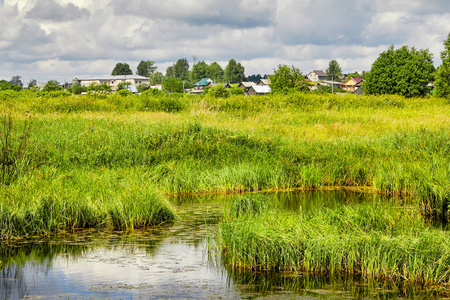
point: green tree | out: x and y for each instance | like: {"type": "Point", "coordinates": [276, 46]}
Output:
{"type": "Point", "coordinates": [199, 71]}
{"type": "Point", "coordinates": [172, 85]}
{"type": "Point", "coordinates": [287, 79]}
{"type": "Point", "coordinates": [170, 72]}
{"type": "Point", "coordinates": [122, 69]}
{"type": "Point", "coordinates": [77, 89]}
{"type": "Point", "coordinates": [215, 72]}
{"type": "Point", "coordinates": [403, 71]}
{"type": "Point", "coordinates": [155, 78]}
{"type": "Point", "coordinates": [442, 84]}
{"type": "Point", "coordinates": [32, 83]}
{"type": "Point", "coordinates": [234, 72]}
{"type": "Point", "coordinates": [5, 85]}
{"type": "Point", "coordinates": [146, 68]}
{"type": "Point", "coordinates": [333, 70]}
{"type": "Point", "coordinates": [181, 69]}
{"type": "Point", "coordinates": [52, 85]}
{"type": "Point", "coordinates": [16, 81]}
{"type": "Point", "coordinates": [219, 91]}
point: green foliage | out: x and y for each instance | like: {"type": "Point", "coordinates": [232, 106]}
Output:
{"type": "Point", "coordinates": [199, 71]}
{"type": "Point", "coordinates": [122, 69]}
{"type": "Point", "coordinates": [16, 81]}
{"type": "Point", "coordinates": [14, 156]}
{"type": "Point", "coordinates": [181, 69]}
{"type": "Point", "coordinates": [333, 70]}
{"type": "Point", "coordinates": [77, 89]}
{"type": "Point", "coordinates": [215, 72]}
{"type": "Point", "coordinates": [5, 85]}
{"type": "Point", "coordinates": [172, 85]}
{"type": "Point", "coordinates": [91, 198]}
{"type": "Point", "coordinates": [123, 85]}
{"type": "Point", "coordinates": [146, 68]}
{"type": "Point", "coordinates": [371, 240]}
{"type": "Point", "coordinates": [287, 79]}
{"type": "Point", "coordinates": [52, 85]}
{"type": "Point", "coordinates": [219, 91]}
{"type": "Point", "coordinates": [124, 92]}
{"type": "Point", "coordinates": [237, 91]}
{"type": "Point", "coordinates": [442, 84]}
{"type": "Point", "coordinates": [142, 87]}
{"type": "Point", "coordinates": [234, 72]}
{"type": "Point", "coordinates": [156, 78]}
{"type": "Point", "coordinates": [404, 72]}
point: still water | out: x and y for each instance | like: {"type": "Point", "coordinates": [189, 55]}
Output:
{"type": "Point", "coordinates": [170, 262]}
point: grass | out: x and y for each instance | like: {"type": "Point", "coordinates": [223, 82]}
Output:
{"type": "Point", "coordinates": [369, 240]}
{"type": "Point", "coordinates": [177, 144]}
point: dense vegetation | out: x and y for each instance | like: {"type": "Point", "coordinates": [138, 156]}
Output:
{"type": "Point", "coordinates": [373, 240]}
{"type": "Point", "coordinates": [88, 159]}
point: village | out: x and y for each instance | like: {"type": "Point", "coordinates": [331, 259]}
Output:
{"type": "Point", "coordinates": [315, 79]}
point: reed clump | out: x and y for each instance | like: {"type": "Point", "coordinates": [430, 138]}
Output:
{"type": "Point", "coordinates": [371, 240]}
{"type": "Point", "coordinates": [81, 199]}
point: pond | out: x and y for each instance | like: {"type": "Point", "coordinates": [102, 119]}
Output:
{"type": "Point", "coordinates": [171, 261]}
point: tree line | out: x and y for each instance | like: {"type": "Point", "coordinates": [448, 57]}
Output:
{"type": "Point", "coordinates": [404, 71]}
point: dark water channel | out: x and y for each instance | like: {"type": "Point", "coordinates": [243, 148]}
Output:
{"type": "Point", "coordinates": [170, 262]}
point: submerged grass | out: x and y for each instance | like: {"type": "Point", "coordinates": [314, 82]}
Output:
{"type": "Point", "coordinates": [369, 240]}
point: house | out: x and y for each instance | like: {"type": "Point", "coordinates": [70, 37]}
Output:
{"type": "Point", "coordinates": [258, 90]}
{"type": "Point", "coordinates": [111, 80]}
{"type": "Point", "coordinates": [353, 84]}
{"type": "Point", "coordinates": [317, 75]}
{"type": "Point", "coordinates": [262, 82]}
{"type": "Point", "coordinates": [245, 85]}
{"type": "Point", "coordinates": [330, 83]}
{"type": "Point", "coordinates": [204, 82]}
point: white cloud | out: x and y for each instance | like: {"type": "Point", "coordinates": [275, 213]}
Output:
{"type": "Point", "coordinates": [62, 38]}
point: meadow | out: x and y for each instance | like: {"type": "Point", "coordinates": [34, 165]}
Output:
{"type": "Point", "coordinates": [101, 160]}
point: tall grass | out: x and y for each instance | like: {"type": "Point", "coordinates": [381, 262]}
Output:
{"type": "Point", "coordinates": [371, 240]}
{"type": "Point", "coordinates": [188, 144]}
{"type": "Point", "coordinates": [81, 199]}
{"type": "Point", "coordinates": [14, 154]}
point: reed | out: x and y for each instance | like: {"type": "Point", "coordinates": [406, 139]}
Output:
{"type": "Point", "coordinates": [188, 144]}
{"type": "Point", "coordinates": [81, 199]}
{"type": "Point", "coordinates": [371, 240]}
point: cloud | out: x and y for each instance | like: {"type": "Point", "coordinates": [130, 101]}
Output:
{"type": "Point", "coordinates": [52, 38]}
{"type": "Point", "coordinates": [50, 10]}
{"type": "Point", "coordinates": [232, 13]}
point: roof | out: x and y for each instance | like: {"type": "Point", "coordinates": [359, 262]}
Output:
{"type": "Point", "coordinates": [355, 80]}
{"type": "Point", "coordinates": [264, 81]}
{"type": "Point", "coordinates": [110, 77]}
{"type": "Point", "coordinates": [319, 73]}
{"type": "Point", "coordinates": [203, 82]}
{"type": "Point", "coordinates": [261, 89]}
{"type": "Point", "coordinates": [247, 84]}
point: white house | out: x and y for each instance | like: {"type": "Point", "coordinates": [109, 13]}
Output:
{"type": "Point", "coordinates": [111, 80]}
{"type": "Point", "coordinates": [317, 75]}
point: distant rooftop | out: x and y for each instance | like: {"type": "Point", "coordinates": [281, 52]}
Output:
{"type": "Point", "coordinates": [111, 77]}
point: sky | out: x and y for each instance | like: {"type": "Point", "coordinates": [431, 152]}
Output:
{"type": "Point", "coordinates": [60, 39]}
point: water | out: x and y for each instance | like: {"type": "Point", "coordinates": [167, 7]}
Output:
{"type": "Point", "coordinates": [169, 262]}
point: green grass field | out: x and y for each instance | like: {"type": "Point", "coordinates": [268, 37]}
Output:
{"type": "Point", "coordinates": [102, 160]}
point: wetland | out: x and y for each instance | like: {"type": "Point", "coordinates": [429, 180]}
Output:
{"type": "Point", "coordinates": [117, 182]}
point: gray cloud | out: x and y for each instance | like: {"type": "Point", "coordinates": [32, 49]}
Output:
{"type": "Point", "coordinates": [50, 10]}
{"type": "Point", "coordinates": [50, 37]}
{"type": "Point", "coordinates": [232, 13]}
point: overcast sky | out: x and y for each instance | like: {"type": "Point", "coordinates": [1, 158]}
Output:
{"type": "Point", "coordinates": [61, 39]}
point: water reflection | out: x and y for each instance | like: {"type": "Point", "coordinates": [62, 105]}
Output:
{"type": "Point", "coordinates": [169, 262]}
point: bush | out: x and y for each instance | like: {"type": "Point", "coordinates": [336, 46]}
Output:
{"type": "Point", "coordinates": [218, 91]}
